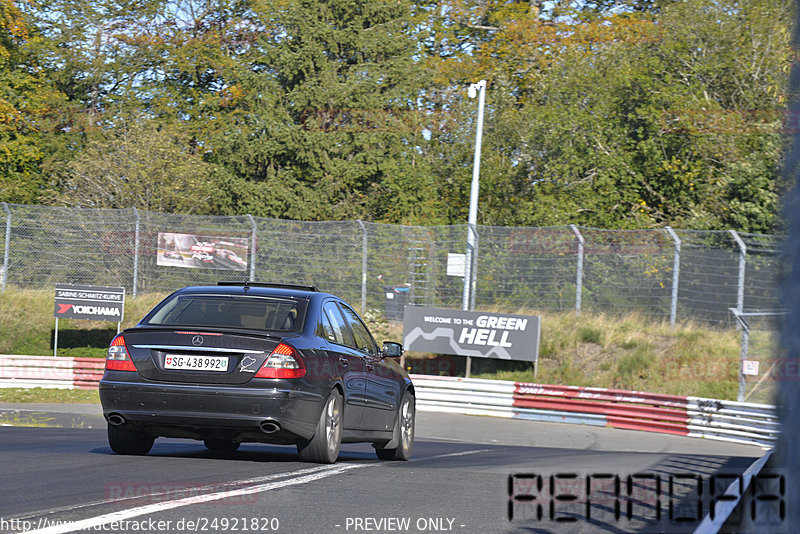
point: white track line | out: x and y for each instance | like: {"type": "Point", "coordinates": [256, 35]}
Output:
{"type": "Point", "coordinates": [123, 515]}
{"type": "Point", "coordinates": [203, 487]}
{"type": "Point", "coordinates": [726, 508]}
{"type": "Point", "coordinates": [310, 475]}
{"type": "Point", "coordinates": [449, 455]}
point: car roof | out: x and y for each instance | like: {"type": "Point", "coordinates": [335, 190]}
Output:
{"type": "Point", "coordinates": [272, 291]}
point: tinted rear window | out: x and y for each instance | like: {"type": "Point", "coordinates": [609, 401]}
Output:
{"type": "Point", "coordinates": [233, 311]}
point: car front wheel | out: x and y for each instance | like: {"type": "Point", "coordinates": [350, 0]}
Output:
{"type": "Point", "coordinates": [403, 435]}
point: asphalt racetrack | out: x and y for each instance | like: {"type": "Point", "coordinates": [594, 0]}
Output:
{"type": "Point", "coordinates": [467, 475]}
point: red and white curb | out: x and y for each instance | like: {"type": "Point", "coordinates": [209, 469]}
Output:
{"type": "Point", "coordinates": [752, 424]}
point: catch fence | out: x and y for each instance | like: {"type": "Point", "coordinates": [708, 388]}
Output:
{"type": "Point", "coordinates": [662, 273]}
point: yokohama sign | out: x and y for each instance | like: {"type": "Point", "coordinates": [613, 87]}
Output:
{"type": "Point", "coordinates": [93, 303]}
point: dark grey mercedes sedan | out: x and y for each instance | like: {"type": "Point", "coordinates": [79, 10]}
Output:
{"type": "Point", "coordinates": [254, 362]}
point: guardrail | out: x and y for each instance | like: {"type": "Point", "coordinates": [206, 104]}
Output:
{"type": "Point", "coordinates": [50, 372]}
{"type": "Point", "coordinates": [739, 422]}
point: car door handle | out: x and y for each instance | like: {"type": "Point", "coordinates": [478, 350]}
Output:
{"type": "Point", "coordinates": [343, 361]}
{"type": "Point", "coordinates": [369, 367]}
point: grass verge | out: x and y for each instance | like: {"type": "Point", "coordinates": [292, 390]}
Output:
{"type": "Point", "coordinates": [27, 325]}
{"type": "Point", "coordinates": [630, 352]}
{"type": "Point", "coordinates": [46, 395]}
{"type": "Point", "coordinates": [623, 352]}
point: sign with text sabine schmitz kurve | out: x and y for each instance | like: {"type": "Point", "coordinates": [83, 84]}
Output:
{"type": "Point", "coordinates": [478, 334]}
{"type": "Point", "coordinates": [93, 303]}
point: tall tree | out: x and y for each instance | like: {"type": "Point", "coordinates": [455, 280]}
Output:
{"type": "Point", "coordinates": [122, 63]}
{"type": "Point", "coordinates": [29, 107]}
{"type": "Point", "coordinates": [630, 117]}
{"type": "Point", "coordinates": [143, 165]}
{"type": "Point", "coordinates": [331, 126]}
{"type": "Point", "coordinates": [617, 114]}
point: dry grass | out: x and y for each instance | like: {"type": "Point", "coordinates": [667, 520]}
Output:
{"type": "Point", "coordinates": [46, 395]}
{"type": "Point", "coordinates": [633, 352]}
{"type": "Point", "coordinates": [27, 325]}
{"type": "Point", "coordinates": [624, 352]}
{"type": "Point", "coordinates": [628, 352]}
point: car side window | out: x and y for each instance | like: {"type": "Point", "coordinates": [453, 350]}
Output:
{"type": "Point", "coordinates": [363, 339]}
{"type": "Point", "coordinates": [337, 324]}
{"type": "Point", "coordinates": [324, 329]}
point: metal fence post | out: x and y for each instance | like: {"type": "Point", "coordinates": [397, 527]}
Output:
{"type": "Point", "coordinates": [745, 328]}
{"type": "Point", "coordinates": [676, 269]}
{"type": "Point", "coordinates": [742, 264]}
{"type": "Point", "coordinates": [7, 244]}
{"type": "Point", "coordinates": [474, 269]}
{"type": "Point", "coordinates": [136, 252]}
{"type": "Point", "coordinates": [472, 237]}
{"type": "Point", "coordinates": [579, 278]}
{"type": "Point", "coordinates": [470, 275]}
{"type": "Point", "coordinates": [363, 266]}
{"type": "Point", "coordinates": [253, 248]}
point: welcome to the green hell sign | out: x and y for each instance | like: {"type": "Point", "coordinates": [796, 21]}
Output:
{"type": "Point", "coordinates": [476, 334]}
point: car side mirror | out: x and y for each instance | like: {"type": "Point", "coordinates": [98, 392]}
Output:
{"type": "Point", "coordinates": [392, 350]}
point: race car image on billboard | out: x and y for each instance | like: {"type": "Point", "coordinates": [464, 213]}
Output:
{"type": "Point", "coordinates": [202, 252]}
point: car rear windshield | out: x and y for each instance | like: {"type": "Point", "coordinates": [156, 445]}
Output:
{"type": "Point", "coordinates": [231, 311]}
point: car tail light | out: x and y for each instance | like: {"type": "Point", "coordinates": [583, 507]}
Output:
{"type": "Point", "coordinates": [284, 362]}
{"type": "Point", "coordinates": [117, 358]}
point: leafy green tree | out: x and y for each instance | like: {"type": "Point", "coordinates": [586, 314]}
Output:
{"type": "Point", "coordinates": [144, 165]}
{"type": "Point", "coordinates": [121, 63]}
{"type": "Point", "coordinates": [329, 123]}
{"type": "Point", "coordinates": [526, 50]}
{"type": "Point", "coordinates": [27, 102]}
{"type": "Point", "coordinates": [185, 54]}
{"type": "Point", "coordinates": [77, 45]}
{"type": "Point", "coordinates": [731, 72]}
{"type": "Point", "coordinates": [614, 114]}
{"type": "Point", "coordinates": [633, 119]}
{"type": "Point", "coordinates": [70, 66]}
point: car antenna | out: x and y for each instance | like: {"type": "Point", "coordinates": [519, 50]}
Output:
{"type": "Point", "coordinates": [246, 286]}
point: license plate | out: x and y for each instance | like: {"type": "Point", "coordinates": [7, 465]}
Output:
{"type": "Point", "coordinates": [196, 363]}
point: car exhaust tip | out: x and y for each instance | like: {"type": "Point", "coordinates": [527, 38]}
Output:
{"type": "Point", "coordinates": [269, 427]}
{"type": "Point", "coordinates": [115, 419]}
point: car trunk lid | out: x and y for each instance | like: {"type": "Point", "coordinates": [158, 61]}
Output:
{"type": "Point", "coordinates": [202, 356]}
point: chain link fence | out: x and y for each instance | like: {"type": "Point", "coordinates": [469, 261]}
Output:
{"type": "Point", "coordinates": [763, 362]}
{"type": "Point", "coordinates": [661, 273]}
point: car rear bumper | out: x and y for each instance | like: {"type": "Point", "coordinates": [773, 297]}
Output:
{"type": "Point", "coordinates": [189, 410]}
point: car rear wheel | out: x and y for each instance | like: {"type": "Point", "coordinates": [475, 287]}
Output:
{"type": "Point", "coordinates": [221, 445]}
{"type": "Point", "coordinates": [324, 446]}
{"type": "Point", "coordinates": [403, 435]}
{"type": "Point", "coordinates": [128, 441]}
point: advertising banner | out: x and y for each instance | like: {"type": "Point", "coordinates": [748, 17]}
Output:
{"type": "Point", "coordinates": [92, 303]}
{"type": "Point", "coordinates": [202, 252]}
{"type": "Point", "coordinates": [477, 334]}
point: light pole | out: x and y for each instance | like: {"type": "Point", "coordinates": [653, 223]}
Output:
{"type": "Point", "coordinates": [479, 90]}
